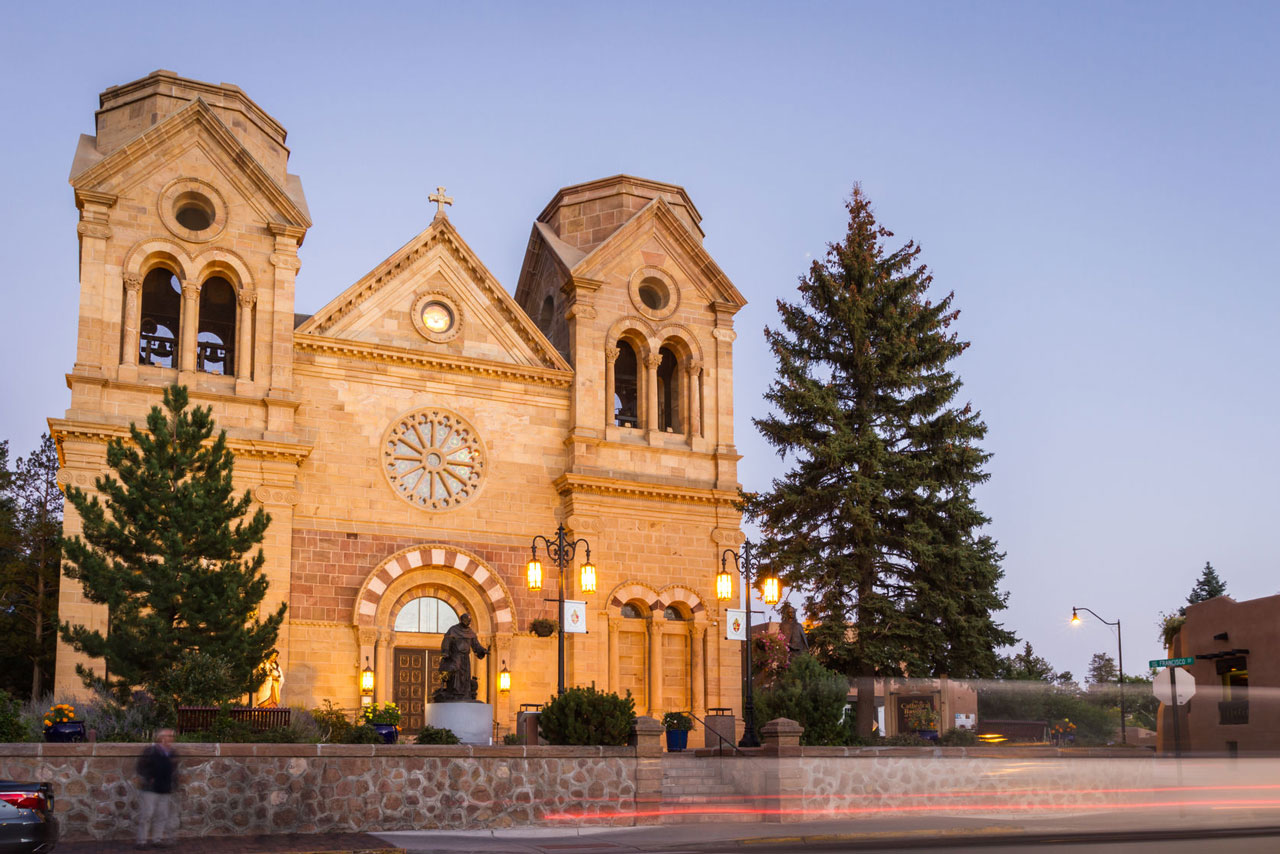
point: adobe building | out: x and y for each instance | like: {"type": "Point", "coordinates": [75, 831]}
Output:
{"type": "Point", "coordinates": [412, 437]}
{"type": "Point", "coordinates": [1236, 705]}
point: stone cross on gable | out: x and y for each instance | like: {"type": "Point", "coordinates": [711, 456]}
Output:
{"type": "Point", "coordinates": [441, 200]}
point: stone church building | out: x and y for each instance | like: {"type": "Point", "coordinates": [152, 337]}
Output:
{"type": "Point", "coordinates": [413, 436]}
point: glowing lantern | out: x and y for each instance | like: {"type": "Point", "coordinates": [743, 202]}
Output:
{"type": "Point", "coordinates": [771, 590]}
{"type": "Point", "coordinates": [724, 585]}
{"type": "Point", "coordinates": [533, 574]}
{"type": "Point", "coordinates": [587, 579]}
{"type": "Point", "coordinates": [504, 679]}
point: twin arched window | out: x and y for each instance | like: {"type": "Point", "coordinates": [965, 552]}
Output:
{"type": "Point", "coordinates": [160, 324]}
{"type": "Point", "coordinates": [666, 398]}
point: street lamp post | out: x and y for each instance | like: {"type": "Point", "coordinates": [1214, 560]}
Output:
{"type": "Point", "coordinates": [744, 563]}
{"type": "Point", "coordinates": [1075, 621]}
{"type": "Point", "coordinates": [560, 550]}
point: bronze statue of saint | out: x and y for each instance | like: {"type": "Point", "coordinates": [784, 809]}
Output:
{"type": "Point", "coordinates": [455, 663]}
{"type": "Point", "coordinates": [792, 631]}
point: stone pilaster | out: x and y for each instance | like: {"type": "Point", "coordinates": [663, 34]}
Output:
{"type": "Point", "coordinates": [697, 668]}
{"type": "Point", "coordinates": [656, 626]}
{"type": "Point", "coordinates": [94, 344]}
{"type": "Point", "coordinates": [273, 352]}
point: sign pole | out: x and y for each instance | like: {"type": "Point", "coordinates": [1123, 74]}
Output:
{"type": "Point", "coordinates": [1173, 686]}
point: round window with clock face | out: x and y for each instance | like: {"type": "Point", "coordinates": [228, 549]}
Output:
{"type": "Point", "coordinates": [435, 317]}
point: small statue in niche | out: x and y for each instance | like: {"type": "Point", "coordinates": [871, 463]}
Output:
{"type": "Point", "coordinates": [455, 663]}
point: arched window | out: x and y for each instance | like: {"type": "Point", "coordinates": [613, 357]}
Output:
{"type": "Point", "coordinates": [668, 392]}
{"type": "Point", "coordinates": [548, 315]}
{"type": "Point", "coordinates": [631, 611]}
{"type": "Point", "coordinates": [626, 391]}
{"type": "Point", "coordinates": [671, 612]}
{"type": "Point", "coordinates": [426, 614]}
{"type": "Point", "coordinates": [161, 313]}
{"type": "Point", "coordinates": [215, 341]}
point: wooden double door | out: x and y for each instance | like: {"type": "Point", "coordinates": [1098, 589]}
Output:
{"type": "Point", "coordinates": [415, 677]}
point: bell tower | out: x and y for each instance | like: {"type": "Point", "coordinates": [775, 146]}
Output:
{"type": "Point", "coordinates": [189, 230]}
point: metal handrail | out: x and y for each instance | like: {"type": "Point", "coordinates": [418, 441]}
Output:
{"type": "Point", "coordinates": [717, 732]}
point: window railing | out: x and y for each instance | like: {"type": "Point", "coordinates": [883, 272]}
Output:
{"type": "Point", "coordinates": [211, 358]}
{"type": "Point", "coordinates": [156, 350]}
{"type": "Point", "coordinates": [1233, 712]}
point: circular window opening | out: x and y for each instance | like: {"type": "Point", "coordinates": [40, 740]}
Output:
{"type": "Point", "coordinates": [193, 211]}
{"type": "Point", "coordinates": [654, 294]}
{"type": "Point", "coordinates": [437, 317]}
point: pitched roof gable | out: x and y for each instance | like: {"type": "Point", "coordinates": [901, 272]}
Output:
{"type": "Point", "coordinates": [511, 324]}
{"type": "Point", "coordinates": [93, 171]}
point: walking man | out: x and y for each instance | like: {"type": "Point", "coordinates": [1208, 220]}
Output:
{"type": "Point", "coordinates": [158, 768]}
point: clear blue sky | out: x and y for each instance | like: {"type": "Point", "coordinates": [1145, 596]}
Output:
{"type": "Point", "coordinates": [1096, 181]}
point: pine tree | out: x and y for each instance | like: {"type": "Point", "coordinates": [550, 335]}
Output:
{"type": "Point", "coordinates": [1207, 586]}
{"type": "Point", "coordinates": [876, 522]}
{"type": "Point", "coordinates": [1102, 669]}
{"type": "Point", "coordinates": [33, 583]}
{"type": "Point", "coordinates": [166, 553]}
{"type": "Point", "coordinates": [13, 639]}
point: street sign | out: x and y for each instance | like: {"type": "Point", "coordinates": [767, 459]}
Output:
{"type": "Point", "coordinates": [1164, 684]}
{"type": "Point", "coordinates": [1171, 662]}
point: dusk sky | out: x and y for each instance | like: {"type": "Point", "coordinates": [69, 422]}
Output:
{"type": "Point", "coordinates": [1097, 182]}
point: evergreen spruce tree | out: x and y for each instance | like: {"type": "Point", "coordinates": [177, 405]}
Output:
{"type": "Point", "coordinates": [166, 553]}
{"type": "Point", "coordinates": [1207, 586]}
{"type": "Point", "coordinates": [13, 638]}
{"type": "Point", "coordinates": [875, 521]}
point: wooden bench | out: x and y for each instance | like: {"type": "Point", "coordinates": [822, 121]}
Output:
{"type": "Point", "coordinates": [196, 718]}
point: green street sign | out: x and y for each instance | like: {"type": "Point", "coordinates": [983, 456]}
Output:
{"type": "Point", "coordinates": [1171, 662]}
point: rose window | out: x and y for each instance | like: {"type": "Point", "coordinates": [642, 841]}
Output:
{"type": "Point", "coordinates": [434, 459]}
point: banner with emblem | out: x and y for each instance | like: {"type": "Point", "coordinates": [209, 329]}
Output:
{"type": "Point", "coordinates": [575, 617]}
{"type": "Point", "coordinates": [735, 624]}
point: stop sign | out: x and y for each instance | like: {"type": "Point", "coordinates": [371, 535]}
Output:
{"type": "Point", "coordinates": [1162, 686]}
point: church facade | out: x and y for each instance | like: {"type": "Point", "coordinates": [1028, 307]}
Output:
{"type": "Point", "coordinates": [412, 437]}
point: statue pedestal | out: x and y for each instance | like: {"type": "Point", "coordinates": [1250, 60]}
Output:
{"type": "Point", "coordinates": [471, 722]}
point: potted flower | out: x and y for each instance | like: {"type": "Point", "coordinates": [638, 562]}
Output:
{"type": "Point", "coordinates": [384, 719]}
{"type": "Point", "coordinates": [678, 725]}
{"type": "Point", "coordinates": [60, 724]}
{"type": "Point", "coordinates": [543, 627]}
{"type": "Point", "coordinates": [922, 718]}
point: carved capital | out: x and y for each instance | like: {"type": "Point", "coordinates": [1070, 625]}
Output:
{"type": "Point", "coordinates": [367, 637]}
{"type": "Point", "coordinates": [94, 229]}
{"type": "Point", "coordinates": [652, 360]}
{"type": "Point", "coordinates": [285, 261]}
{"type": "Point", "coordinates": [247, 298]}
{"type": "Point", "coordinates": [586, 312]}
{"type": "Point", "coordinates": [693, 368]}
{"type": "Point", "coordinates": [611, 354]}
{"type": "Point", "coordinates": [722, 333]}
{"type": "Point", "coordinates": [190, 290]}
{"type": "Point", "coordinates": [133, 281]}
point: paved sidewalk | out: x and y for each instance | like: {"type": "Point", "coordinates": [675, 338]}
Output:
{"type": "Point", "coordinates": [289, 843]}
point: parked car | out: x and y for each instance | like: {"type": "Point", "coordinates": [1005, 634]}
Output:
{"type": "Point", "coordinates": [27, 823]}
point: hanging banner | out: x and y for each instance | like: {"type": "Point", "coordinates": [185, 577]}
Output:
{"type": "Point", "coordinates": [735, 624]}
{"type": "Point", "coordinates": [575, 617]}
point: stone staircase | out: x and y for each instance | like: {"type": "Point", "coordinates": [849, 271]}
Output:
{"type": "Point", "coordinates": [693, 790]}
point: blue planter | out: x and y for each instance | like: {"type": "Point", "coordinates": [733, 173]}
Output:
{"type": "Point", "coordinates": [928, 734]}
{"type": "Point", "coordinates": [387, 731]}
{"type": "Point", "coordinates": [65, 732]}
{"type": "Point", "coordinates": [677, 740]}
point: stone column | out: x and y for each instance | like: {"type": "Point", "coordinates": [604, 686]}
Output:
{"type": "Point", "coordinates": [382, 667]}
{"type": "Point", "coordinates": [646, 734]}
{"type": "Point", "coordinates": [189, 325]}
{"type": "Point", "coordinates": [273, 345]}
{"type": "Point", "coordinates": [697, 669]}
{"type": "Point", "coordinates": [655, 666]}
{"type": "Point", "coordinates": [99, 300]}
{"type": "Point", "coordinates": [693, 423]}
{"type": "Point", "coordinates": [132, 318]}
{"type": "Point", "coordinates": [610, 357]}
{"type": "Point", "coordinates": [651, 363]}
{"type": "Point", "coordinates": [614, 679]}
{"type": "Point", "coordinates": [244, 336]}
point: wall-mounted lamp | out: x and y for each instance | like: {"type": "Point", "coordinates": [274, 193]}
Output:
{"type": "Point", "coordinates": [366, 683]}
{"type": "Point", "coordinates": [504, 679]}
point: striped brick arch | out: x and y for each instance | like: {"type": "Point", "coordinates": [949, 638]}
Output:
{"type": "Point", "coordinates": [433, 556]}
{"type": "Point", "coordinates": [658, 601]}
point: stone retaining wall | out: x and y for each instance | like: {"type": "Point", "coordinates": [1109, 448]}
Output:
{"type": "Point", "coordinates": [235, 789]}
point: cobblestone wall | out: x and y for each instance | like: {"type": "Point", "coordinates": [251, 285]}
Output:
{"type": "Point", "coordinates": [235, 789]}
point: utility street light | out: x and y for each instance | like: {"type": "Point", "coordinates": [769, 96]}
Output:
{"type": "Point", "coordinates": [1075, 621]}
{"type": "Point", "coordinates": [560, 551]}
{"type": "Point", "coordinates": [771, 592]}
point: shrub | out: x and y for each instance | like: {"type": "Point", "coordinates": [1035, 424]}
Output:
{"type": "Point", "coordinates": [435, 735]}
{"type": "Point", "coordinates": [511, 738]}
{"type": "Point", "coordinates": [958, 738]}
{"type": "Point", "coordinates": [332, 723]}
{"type": "Point", "coordinates": [907, 739]}
{"type": "Point", "coordinates": [364, 734]}
{"type": "Point", "coordinates": [588, 716]}
{"type": "Point", "coordinates": [198, 679]}
{"type": "Point", "coordinates": [12, 727]}
{"type": "Point", "coordinates": [678, 721]}
{"type": "Point", "coordinates": [134, 721]}
{"type": "Point", "coordinates": [812, 696]}
{"type": "Point", "coordinates": [543, 627]}
{"type": "Point", "coordinates": [388, 713]}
